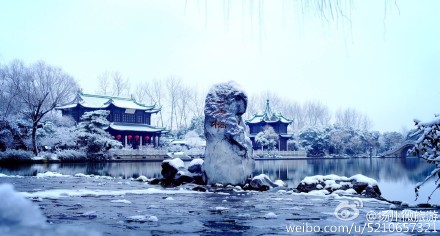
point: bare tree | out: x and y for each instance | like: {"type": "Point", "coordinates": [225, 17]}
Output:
{"type": "Point", "coordinates": [316, 114]}
{"type": "Point", "coordinates": [155, 93]}
{"type": "Point", "coordinates": [8, 92]}
{"type": "Point", "coordinates": [104, 84]}
{"type": "Point", "coordinates": [351, 118]}
{"type": "Point", "coordinates": [121, 86]}
{"type": "Point", "coordinates": [173, 85]}
{"type": "Point", "coordinates": [183, 97]}
{"type": "Point", "coordinates": [113, 84]}
{"type": "Point", "coordinates": [41, 88]}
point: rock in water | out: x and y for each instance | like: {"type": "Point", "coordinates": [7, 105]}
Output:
{"type": "Point", "coordinates": [228, 153]}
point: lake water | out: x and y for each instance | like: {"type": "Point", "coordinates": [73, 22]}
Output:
{"type": "Point", "coordinates": [396, 176]}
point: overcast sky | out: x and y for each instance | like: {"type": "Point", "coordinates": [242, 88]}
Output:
{"type": "Point", "coordinates": [385, 64]}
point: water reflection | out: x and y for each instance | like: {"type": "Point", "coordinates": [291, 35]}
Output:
{"type": "Point", "coordinates": [397, 177]}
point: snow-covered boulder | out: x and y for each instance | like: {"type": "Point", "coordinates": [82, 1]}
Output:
{"type": "Point", "coordinates": [170, 168]}
{"type": "Point", "coordinates": [174, 173]}
{"type": "Point", "coordinates": [358, 184]}
{"type": "Point", "coordinates": [196, 169]}
{"type": "Point", "coordinates": [195, 166]}
{"type": "Point", "coordinates": [228, 153]}
{"type": "Point", "coordinates": [262, 183]}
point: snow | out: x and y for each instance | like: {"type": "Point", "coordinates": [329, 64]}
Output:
{"type": "Point", "coordinates": [142, 218]}
{"type": "Point", "coordinates": [280, 183]}
{"type": "Point", "coordinates": [177, 163]}
{"type": "Point", "coordinates": [121, 201]}
{"type": "Point", "coordinates": [59, 193]}
{"type": "Point", "coordinates": [320, 178]}
{"type": "Point", "coordinates": [220, 208]}
{"type": "Point", "coordinates": [17, 211]}
{"type": "Point", "coordinates": [93, 176]}
{"type": "Point", "coordinates": [362, 178]}
{"type": "Point", "coordinates": [169, 199]}
{"type": "Point", "coordinates": [196, 161]}
{"type": "Point", "coordinates": [142, 179]}
{"type": "Point", "coordinates": [261, 177]}
{"type": "Point", "coordinates": [10, 176]}
{"type": "Point", "coordinates": [51, 174]}
{"type": "Point", "coordinates": [270, 215]}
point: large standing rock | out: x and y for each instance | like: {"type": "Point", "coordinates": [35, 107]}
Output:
{"type": "Point", "coordinates": [228, 153]}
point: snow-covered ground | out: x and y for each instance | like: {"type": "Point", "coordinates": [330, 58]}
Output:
{"type": "Point", "coordinates": [112, 206]}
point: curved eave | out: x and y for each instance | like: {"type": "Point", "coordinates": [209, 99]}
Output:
{"type": "Point", "coordinates": [68, 106]}
{"type": "Point", "coordinates": [93, 107]}
{"type": "Point", "coordinates": [152, 111]}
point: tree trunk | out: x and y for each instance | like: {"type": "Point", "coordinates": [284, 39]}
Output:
{"type": "Point", "coordinates": [34, 138]}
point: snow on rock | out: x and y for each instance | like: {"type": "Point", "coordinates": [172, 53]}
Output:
{"type": "Point", "coordinates": [51, 174]}
{"type": "Point", "coordinates": [16, 210]}
{"type": "Point", "coordinates": [195, 166]}
{"type": "Point", "coordinates": [175, 174]}
{"type": "Point", "coordinates": [121, 201]}
{"type": "Point", "coordinates": [170, 168]}
{"type": "Point", "coordinates": [142, 179]}
{"type": "Point", "coordinates": [228, 153]}
{"type": "Point", "coordinates": [364, 179]}
{"type": "Point", "coordinates": [177, 163]}
{"type": "Point", "coordinates": [280, 183]}
{"type": "Point", "coordinates": [142, 218]}
{"type": "Point", "coordinates": [262, 183]}
{"type": "Point", "coordinates": [357, 184]}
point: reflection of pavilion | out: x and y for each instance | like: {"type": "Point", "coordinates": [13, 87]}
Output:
{"type": "Point", "coordinates": [130, 120]}
{"type": "Point", "coordinates": [277, 121]}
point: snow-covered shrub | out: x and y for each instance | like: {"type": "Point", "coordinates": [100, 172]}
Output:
{"type": "Point", "coordinates": [16, 155]}
{"type": "Point", "coordinates": [71, 155]}
{"type": "Point", "coordinates": [315, 141]}
{"type": "Point", "coordinates": [193, 139]}
{"type": "Point", "coordinates": [267, 138]}
{"type": "Point", "coordinates": [428, 148]}
{"type": "Point", "coordinates": [91, 134]}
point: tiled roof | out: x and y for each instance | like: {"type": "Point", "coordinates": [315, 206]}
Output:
{"type": "Point", "coordinates": [99, 101]}
{"type": "Point", "coordinates": [268, 117]}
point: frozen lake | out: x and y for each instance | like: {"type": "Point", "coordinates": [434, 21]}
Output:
{"type": "Point", "coordinates": [396, 176]}
{"type": "Point", "coordinates": [113, 204]}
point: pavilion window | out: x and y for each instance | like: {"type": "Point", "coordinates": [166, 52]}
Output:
{"type": "Point", "coordinates": [138, 118]}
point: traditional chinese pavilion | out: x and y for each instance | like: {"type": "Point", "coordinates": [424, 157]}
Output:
{"type": "Point", "coordinates": [278, 122]}
{"type": "Point", "coordinates": [130, 120]}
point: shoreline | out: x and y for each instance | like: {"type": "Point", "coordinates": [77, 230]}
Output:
{"type": "Point", "coordinates": [45, 161]}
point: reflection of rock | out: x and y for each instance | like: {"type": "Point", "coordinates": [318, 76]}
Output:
{"type": "Point", "coordinates": [228, 153]}
{"type": "Point", "coordinates": [357, 184]}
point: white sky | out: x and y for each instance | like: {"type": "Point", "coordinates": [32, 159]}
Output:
{"type": "Point", "coordinates": [385, 65]}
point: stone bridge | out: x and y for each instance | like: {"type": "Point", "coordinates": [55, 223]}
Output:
{"type": "Point", "coordinates": [400, 151]}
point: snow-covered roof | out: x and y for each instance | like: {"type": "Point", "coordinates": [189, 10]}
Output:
{"type": "Point", "coordinates": [134, 127]}
{"type": "Point", "coordinates": [100, 101]}
{"type": "Point", "coordinates": [268, 117]}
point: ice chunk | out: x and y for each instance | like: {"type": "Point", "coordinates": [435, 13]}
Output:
{"type": "Point", "coordinates": [121, 201]}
